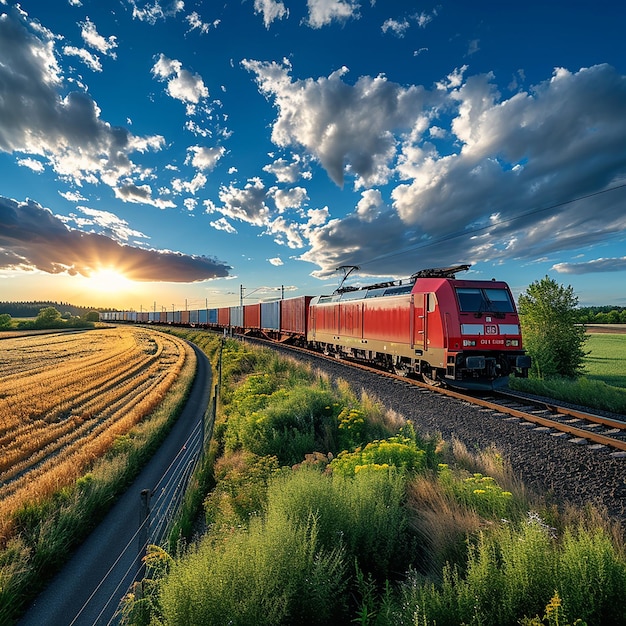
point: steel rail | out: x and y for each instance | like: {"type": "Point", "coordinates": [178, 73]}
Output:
{"type": "Point", "coordinates": [555, 408]}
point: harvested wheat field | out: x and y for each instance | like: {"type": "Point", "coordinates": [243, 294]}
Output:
{"type": "Point", "coordinates": [66, 397]}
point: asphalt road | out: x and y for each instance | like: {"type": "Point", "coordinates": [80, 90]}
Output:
{"type": "Point", "coordinates": [88, 589]}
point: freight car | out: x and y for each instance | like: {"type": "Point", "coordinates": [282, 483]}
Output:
{"type": "Point", "coordinates": [461, 333]}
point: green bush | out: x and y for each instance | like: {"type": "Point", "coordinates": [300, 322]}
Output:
{"type": "Point", "coordinates": [290, 564]}
{"type": "Point", "coordinates": [398, 451]}
{"type": "Point", "coordinates": [477, 492]}
{"type": "Point", "coordinates": [288, 423]}
{"type": "Point", "coordinates": [240, 492]}
{"type": "Point", "coordinates": [592, 577]}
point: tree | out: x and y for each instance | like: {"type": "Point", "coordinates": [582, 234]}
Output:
{"type": "Point", "coordinates": [5, 320]}
{"type": "Point", "coordinates": [552, 338]}
{"type": "Point", "coordinates": [48, 317]}
{"type": "Point", "coordinates": [92, 316]}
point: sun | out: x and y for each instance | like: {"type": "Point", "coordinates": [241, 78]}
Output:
{"type": "Point", "coordinates": [109, 280]}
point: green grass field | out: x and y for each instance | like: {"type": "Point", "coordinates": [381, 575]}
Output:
{"type": "Point", "coordinates": [606, 361]}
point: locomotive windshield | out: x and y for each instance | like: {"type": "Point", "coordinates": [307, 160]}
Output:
{"type": "Point", "coordinates": [484, 300]}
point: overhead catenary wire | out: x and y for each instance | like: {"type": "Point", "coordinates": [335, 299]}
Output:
{"type": "Point", "coordinates": [478, 229]}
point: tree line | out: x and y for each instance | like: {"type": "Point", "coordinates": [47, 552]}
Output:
{"type": "Point", "coordinates": [50, 317]}
{"type": "Point", "coordinates": [600, 315]}
{"type": "Point", "coordinates": [32, 309]}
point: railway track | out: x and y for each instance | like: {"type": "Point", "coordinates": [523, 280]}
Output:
{"type": "Point", "coordinates": [550, 417]}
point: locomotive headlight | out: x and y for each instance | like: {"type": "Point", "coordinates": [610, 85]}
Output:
{"type": "Point", "coordinates": [512, 342]}
{"type": "Point", "coordinates": [469, 342]}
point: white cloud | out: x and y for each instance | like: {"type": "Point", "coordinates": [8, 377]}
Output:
{"type": "Point", "coordinates": [288, 198]}
{"type": "Point", "coordinates": [247, 204]}
{"type": "Point", "coordinates": [277, 261]}
{"type": "Point", "coordinates": [397, 27]}
{"type": "Point", "coordinates": [155, 11]}
{"type": "Point", "coordinates": [204, 158]}
{"type": "Point", "coordinates": [369, 206]}
{"type": "Point", "coordinates": [348, 128]}
{"type": "Point", "coordinates": [190, 204]}
{"type": "Point", "coordinates": [66, 131]}
{"type": "Point", "coordinates": [195, 23]}
{"type": "Point", "coordinates": [271, 10]}
{"type": "Point", "coordinates": [355, 241]}
{"type": "Point", "coordinates": [90, 60]}
{"type": "Point", "coordinates": [181, 84]}
{"type": "Point", "coordinates": [286, 233]}
{"type": "Point", "coordinates": [33, 164]}
{"type": "Point", "coordinates": [595, 266]}
{"type": "Point", "coordinates": [508, 179]}
{"type": "Point", "coordinates": [189, 186]}
{"type": "Point", "coordinates": [104, 45]}
{"type": "Point", "coordinates": [223, 224]}
{"type": "Point", "coordinates": [141, 194]}
{"type": "Point", "coordinates": [317, 217]}
{"type": "Point", "coordinates": [285, 171]}
{"type": "Point", "coordinates": [72, 196]}
{"type": "Point", "coordinates": [108, 224]}
{"type": "Point", "coordinates": [323, 12]}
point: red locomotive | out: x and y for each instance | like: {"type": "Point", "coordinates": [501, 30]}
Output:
{"type": "Point", "coordinates": [463, 333]}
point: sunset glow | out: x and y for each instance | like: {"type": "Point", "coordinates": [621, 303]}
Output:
{"type": "Point", "coordinates": [109, 280]}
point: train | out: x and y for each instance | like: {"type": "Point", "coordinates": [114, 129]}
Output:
{"type": "Point", "coordinates": [435, 326]}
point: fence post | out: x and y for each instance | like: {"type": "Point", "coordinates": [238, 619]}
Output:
{"type": "Point", "coordinates": [144, 523]}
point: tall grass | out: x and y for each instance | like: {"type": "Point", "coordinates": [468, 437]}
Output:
{"type": "Point", "coordinates": [292, 564]}
{"type": "Point", "coordinates": [513, 571]}
{"type": "Point", "coordinates": [276, 572]}
{"type": "Point", "coordinates": [590, 393]}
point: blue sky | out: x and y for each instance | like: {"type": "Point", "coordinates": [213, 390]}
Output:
{"type": "Point", "coordinates": [164, 153]}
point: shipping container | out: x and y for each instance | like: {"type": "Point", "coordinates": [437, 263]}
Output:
{"type": "Point", "coordinates": [213, 317]}
{"type": "Point", "coordinates": [294, 315]}
{"type": "Point", "coordinates": [236, 316]}
{"type": "Point", "coordinates": [194, 316]}
{"type": "Point", "coordinates": [223, 316]}
{"type": "Point", "coordinates": [270, 315]}
{"type": "Point", "coordinates": [252, 316]}
{"type": "Point", "coordinates": [184, 317]}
